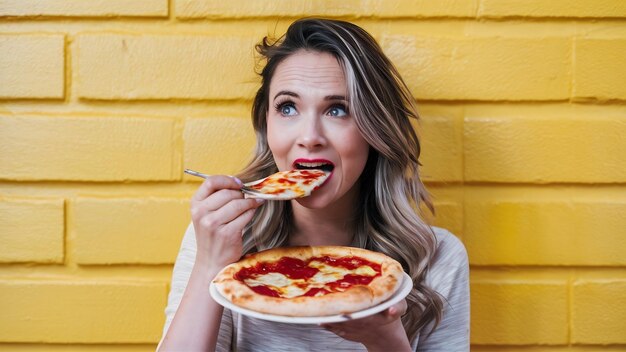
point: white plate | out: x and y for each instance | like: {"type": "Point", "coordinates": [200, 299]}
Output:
{"type": "Point", "coordinates": [400, 294]}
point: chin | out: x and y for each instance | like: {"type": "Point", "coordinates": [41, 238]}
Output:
{"type": "Point", "coordinates": [313, 202]}
{"type": "Point", "coordinates": [320, 198]}
{"type": "Point", "coordinates": [324, 197]}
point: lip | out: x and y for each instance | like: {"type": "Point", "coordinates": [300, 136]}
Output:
{"type": "Point", "coordinates": [325, 161]}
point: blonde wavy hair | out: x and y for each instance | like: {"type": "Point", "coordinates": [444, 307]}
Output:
{"type": "Point", "coordinates": [391, 190]}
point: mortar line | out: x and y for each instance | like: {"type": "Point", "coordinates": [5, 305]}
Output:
{"type": "Point", "coordinates": [67, 67]}
{"type": "Point", "coordinates": [570, 305]}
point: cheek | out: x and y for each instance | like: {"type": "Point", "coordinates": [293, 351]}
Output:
{"type": "Point", "coordinates": [277, 142]}
{"type": "Point", "coordinates": [356, 151]}
{"type": "Point", "coordinates": [271, 132]}
{"type": "Point", "coordinates": [271, 141]}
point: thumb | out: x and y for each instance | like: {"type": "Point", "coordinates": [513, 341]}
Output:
{"type": "Point", "coordinates": [393, 313]}
{"type": "Point", "coordinates": [397, 310]}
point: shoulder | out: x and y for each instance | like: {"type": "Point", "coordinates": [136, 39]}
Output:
{"type": "Point", "coordinates": [448, 275]}
{"type": "Point", "coordinates": [450, 250]}
{"type": "Point", "coordinates": [449, 266]}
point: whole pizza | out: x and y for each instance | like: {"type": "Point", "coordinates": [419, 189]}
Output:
{"type": "Point", "coordinates": [310, 281]}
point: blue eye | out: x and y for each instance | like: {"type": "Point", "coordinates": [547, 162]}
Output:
{"type": "Point", "coordinates": [287, 109]}
{"type": "Point", "coordinates": [337, 111]}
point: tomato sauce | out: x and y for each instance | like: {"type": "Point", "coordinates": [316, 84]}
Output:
{"type": "Point", "coordinates": [308, 175]}
{"type": "Point", "coordinates": [264, 290]}
{"type": "Point", "coordinates": [314, 291]}
{"type": "Point", "coordinates": [293, 268]}
{"type": "Point", "coordinates": [286, 181]}
{"type": "Point", "coordinates": [296, 269]}
{"type": "Point", "coordinates": [260, 185]}
{"type": "Point", "coordinates": [349, 281]}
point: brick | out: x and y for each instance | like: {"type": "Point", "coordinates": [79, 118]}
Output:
{"type": "Point", "coordinates": [32, 66]}
{"type": "Point", "coordinates": [599, 71]}
{"type": "Point", "coordinates": [326, 8]}
{"type": "Point", "coordinates": [552, 8]}
{"type": "Point", "coordinates": [488, 348]}
{"type": "Point", "coordinates": [88, 148]}
{"type": "Point", "coordinates": [218, 145]}
{"type": "Point", "coordinates": [441, 140]}
{"type": "Point", "coordinates": [526, 149]}
{"type": "Point", "coordinates": [32, 230]}
{"type": "Point", "coordinates": [69, 8]}
{"type": "Point", "coordinates": [518, 313]}
{"type": "Point", "coordinates": [599, 312]}
{"type": "Point", "coordinates": [81, 312]}
{"type": "Point", "coordinates": [144, 230]}
{"type": "Point", "coordinates": [37, 347]}
{"type": "Point", "coordinates": [449, 215]}
{"type": "Point", "coordinates": [563, 232]}
{"type": "Point", "coordinates": [415, 8]}
{"type": "Point", "coordinates": [131, 67]}
{"type": "Point", "coordinates": [482, 68]}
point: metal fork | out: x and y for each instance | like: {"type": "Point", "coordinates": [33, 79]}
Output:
{"type": "Point", "coordinates": [244, 189]}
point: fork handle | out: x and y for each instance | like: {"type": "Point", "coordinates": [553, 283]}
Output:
{"type": "Point", "coordinates": [196, 173]}
{"type": "Point", "coordinates": [244, 188]}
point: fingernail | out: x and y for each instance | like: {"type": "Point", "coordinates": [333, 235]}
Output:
{"type": "Point", "coordinates": [259, 200]}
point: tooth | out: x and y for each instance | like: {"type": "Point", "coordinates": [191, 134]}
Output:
{"type": "Point", "coordinates": [312, 164]}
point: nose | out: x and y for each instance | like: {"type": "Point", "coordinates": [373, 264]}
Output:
{"type": "Point", "coordinates": [312, 134]}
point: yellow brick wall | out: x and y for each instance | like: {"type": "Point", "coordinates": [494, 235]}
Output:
{"type": "Point", "coordinates": [103, 103]}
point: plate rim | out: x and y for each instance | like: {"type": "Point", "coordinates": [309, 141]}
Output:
{"type": "Point", "coordinates": [401, 293]}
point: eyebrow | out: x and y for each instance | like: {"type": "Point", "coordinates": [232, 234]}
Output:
{"type": "Point", "coordinates": [292, 94]}
{"type": "Point", "coordinates": [286, 92]}
{"type": "Point", "coordinates": [335, 97]}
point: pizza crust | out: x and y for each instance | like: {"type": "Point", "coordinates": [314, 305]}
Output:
{"type": "Point", "coordinates": [354, 299]}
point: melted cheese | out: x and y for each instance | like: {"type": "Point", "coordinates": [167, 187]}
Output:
{"type": "Point", "coordinates": [326, 273]}
{"type": "Point", "coordinates": [293, 183]}
{"type": "Point", "coordinates": [365, 270]}
{"type": "Point", "coordinates": [292, 291]}
{"type": "Point", "coordinates": [290, 288]}
{"type": "Point", "coordinates": [322, 278]}
{"type": "Point", "coordinates": [271, 279]}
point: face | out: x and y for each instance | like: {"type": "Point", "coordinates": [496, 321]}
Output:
{"type": "Point", "coordinates": [309, 124]}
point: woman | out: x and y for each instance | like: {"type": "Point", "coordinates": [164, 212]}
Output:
{"type": "Point", "coordinates": [329, 96]}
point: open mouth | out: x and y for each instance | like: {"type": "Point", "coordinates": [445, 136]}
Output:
{"type": "Point", "coordinates": [324, 165]}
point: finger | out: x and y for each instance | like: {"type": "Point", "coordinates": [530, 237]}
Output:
{"type": "Point", "coordinates": [396, 311]}
{"type": "Point", "coordinates": [220, 198]}
{"type": "Point", "coordinates": [392, 313]}
{"type": "Point", "coordinates": [234, 209]}
{"type": "Point", "coordinates": [215, 183]}
{"type": "Point", "coordinates": [215, 201]}
{"type": "Point", "coordinates": [242, 220]}
{"type": "Point", "coordinates": [403, 306]}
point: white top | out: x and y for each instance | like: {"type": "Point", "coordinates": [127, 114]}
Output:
{"type": "Point", "coordinates": [448, 275]}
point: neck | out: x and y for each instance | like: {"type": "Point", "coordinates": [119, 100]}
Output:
{"type": "Point", "coordinates": [330, 226]}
